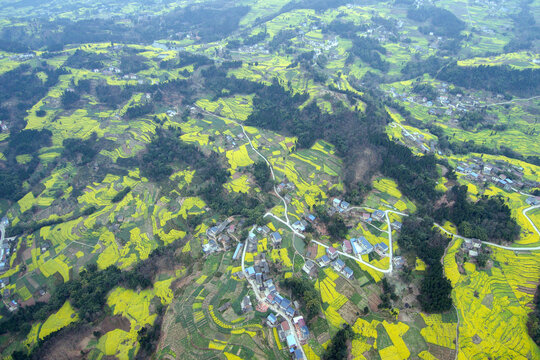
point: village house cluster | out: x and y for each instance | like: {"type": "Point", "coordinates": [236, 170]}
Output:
{"type": "Point", "coordinates": [449, 103]}
{"type": "Point", "coordinates": [283, 310]}
{"type": "Point", "coordinates": [472, 246]}
{"type": "Point", "coordinates": [507, 176]}
{"type": "Point", "coordinates": [5, 247]}
{"type": "Point", "coordinates": [219, 237]}
{"type": "Point", "coordinates": [285, 333]}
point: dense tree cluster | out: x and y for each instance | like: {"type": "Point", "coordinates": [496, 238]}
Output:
{"type": "Point", "coordinates": [27, 142]}
{"type": "Point", "coordinates": [69, 99]}
{"type": "Point", "coordinates": [426, 91]}
{"type": "Point", "coordinates": [263, 176]}
{"type": "Point", "coordinates": [121, 194]}
{"type": "Point", "coordinates": [471, 119]}
{"type": "Point", "coordinates": [369, 50]}
{"type": "Point", "coordinates": [418, 67]}
{"type": "Point", "coordinates": [441, 21]}
{"type": "Point", "coordinates": [282, 38]}
{"type": "Point", "coordinates": [112, 95]}
{"type": "Point", "coordinates": [197, 60]}
{"type": "Point", "coordinates": [81, 151]}
{"type": "Point", "coordinates": [217, 81]}
{"type": "Point", "coordinates": [317, 5]}
{"type": "Point", "coordinates": [164, 150]}
{"type": "Point", "coordinates": [418, 235]}
{"type": "Point", "coordinates": [526, 30]}
{"type": "Point", "coordinates": [435, 290]}
{"type": "Point", "coordinates": [85, 60]}
{"type": "Point", "coordinates": [336, 228]}
{"type": "Point", "coordinates": [499, 79]}
{"type": "Point", "coordinates": [345, 29]}
{"type": "Point", "coordinates": [255, 39]}
{"type": "Point", "coordinates": [21, 88]}
{"type": "Point", "coordinates": [210, 24]}
{"type": "Point", "coordinates": [388, 295]}
{"type": "Point", "coordinates": [489, 218]}
{"type": "Point", "coordinates": [136, 111]}
{"type": "Point", "coordinates": [247, 41]}
{"type": "Point", "coordinates": [416, 175]}
{"type": "Point", "coordinates": [337, 350]}
{"type": "Point", "coordinates": [13, 176]}
{"type": "Point", "coordinates": [133, 63]}
{"type": "Point", "coordinates": [148, 337]}
{"type": "Point", "coordinates": [304, 292]}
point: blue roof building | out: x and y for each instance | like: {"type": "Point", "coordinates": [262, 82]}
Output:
{"type": "Point", "coordinates": [366, 245]}
{"type": "Point", "coordinates": [291, 342]}
{"type": "Point", "coordinates": [378, 215]}
{"type": "Point", "coordinates": [237, 251]}
{"type": "Point", "coordinates": [347, 271]}
{"type": "Point", "coordinates": [338, 264]}
{"type": "Point", "coordinates": [305, 332]}
{"type": "Point", "coordinates": [355, 246]}
{"type": "Point", "coordinates": [324, 260]}
{"type": "Point", "coordinates": [272, 319]}
{"type": "Point", "coordinates": [285, 303]}
{"type": "Point", "coordinates": [290, 311]}
{"type": "Point", "coordinates": [382, 247]}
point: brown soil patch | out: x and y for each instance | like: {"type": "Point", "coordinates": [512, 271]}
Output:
{"type": "Point", "coordinates": [27, 254]}
{"type": "Point", "coordinates": [114, 322]}
{"type": "Point", "coordinates": [45, 298]}
{"type": "Point", "coordinates": [324, 337]}
{"type": "Point", "coordinates": [373, 302]}
{"type": "Point", "coordinates": [349, 312]}
{"type": "Point", "coordinates": [19, 254]}
{"type": "Point", "coordinates": [404, 316]}
{"type": "Point", "coordinates": [28, 302]}
{"type": "Point", "coordinates": [441, 352]}
{"type": "Point", "coordinates": [364, 164]}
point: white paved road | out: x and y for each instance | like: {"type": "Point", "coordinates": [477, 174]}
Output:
{"type": "Point", "coordinates": [390, 242]}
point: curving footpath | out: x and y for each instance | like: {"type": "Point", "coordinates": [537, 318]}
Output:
{"type": "Point", "coordinates": [512, 248]}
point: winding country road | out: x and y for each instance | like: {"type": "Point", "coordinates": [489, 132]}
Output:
{"type": "Point", "coordinates": [390, 242]}
{"type": "Point", "coordinates": [287, 221]}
